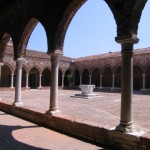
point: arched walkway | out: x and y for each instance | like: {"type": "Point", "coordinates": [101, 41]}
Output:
{"type": "Point", "coordinates": [77, 77]}
{"type": "Point", "coordinates": [137, 78]}
{"type": "Point", "coordinates": [85, 77]}
{"type": "Point", "coordinates": [118, 77]}
{"type": "Point", "coordinates": [46, 77]}
{"type": "Point", "coordinates": [60, 78]}
{"type": "Point", "coordinates": [96, 77]}
{"type": "Point", "coordinates": [34, 78]}
{"type": "Point", "coordinates": [23, 77]}
{"type": "Point", "coordinates": [147, 79]}
{"type": "Point", "coordinates": [107, 77]}
{"type": "Point", "coordinates": [6, 76]}
{"type": "Point", "coordinates": [66, 83]}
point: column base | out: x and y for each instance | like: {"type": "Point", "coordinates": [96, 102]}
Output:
{"type": "Point", "coordinates": [40, 87]}
{"type": "Point", "coordinates": [52, 112]}
{"type": "Point", "coordinates": [126, 128]}
{"type": "Point", "coordinates": [18, 104]}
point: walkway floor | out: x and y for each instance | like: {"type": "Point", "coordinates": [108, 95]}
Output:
{"type": "Point", "coordinates": [18, 134]}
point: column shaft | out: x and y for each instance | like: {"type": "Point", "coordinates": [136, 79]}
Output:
{"type": "Point", "coordinates": [90, 77]}
{"type": "Point", "coordinates": [27, 80]}
{"type": "Point", "coordinates": [143, 81]}
{"type": "Point", "coordinates": [101, 81]}
{"type": "Point", "coordinates": [126, 122]}
{"type": "Point", "coordinates": [19, 63]}
{"type": "Point", "coordinates": [54, 85]}
{"type": "Point", "coordinates": [40, 81]}
{"type": "Point", "coordinates": [113, 81]}
{"type": "Point", "coordinates": [80, 79]}
{"type": "Point", "coordinates": [12, 81]}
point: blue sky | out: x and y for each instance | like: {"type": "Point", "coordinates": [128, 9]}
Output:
{"type": "Point", "coordinates": [92, 31]}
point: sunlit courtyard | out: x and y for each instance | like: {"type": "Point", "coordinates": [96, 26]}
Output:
{"type": "Point", "coordinates": [102, 110]}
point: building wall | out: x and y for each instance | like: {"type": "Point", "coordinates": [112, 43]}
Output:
{"type": "Point", "coordinates": [105, 66]}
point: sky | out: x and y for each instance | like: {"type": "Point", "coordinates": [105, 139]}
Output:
{"type": "Point", "coordinates": [92, 31]}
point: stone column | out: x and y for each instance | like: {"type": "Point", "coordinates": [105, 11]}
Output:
{"type": "Point", "coordinates": [40, 81]}
{"type": "Point", "coordinates": [101, 81]}
{"type": "Point", "coordinates": [1, 64]}
{"type": "Point", "coordinates": [90, 77]}
{"type": "Point", "coordinates": [143, 81]}
{"type": "Point", "coordinates": [54, 83]}
{"type": "Point", "coordinates": [27, 81]}
{"type": "Point", "coordinates": [126, 122]}
{"type": "Point", "coordinates": [12, 81]}
{"type": "Point", "coordinates": [63, 76]}
{"type": "Point", "coordinates": [80, 79]}
{"type": "Point", "coordinates": [18, 101]}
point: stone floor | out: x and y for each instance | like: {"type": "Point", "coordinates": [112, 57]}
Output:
{"type": "Point", "coordinates": [18, 134]}
{"type": "Point", "coordinates": [103, 110]}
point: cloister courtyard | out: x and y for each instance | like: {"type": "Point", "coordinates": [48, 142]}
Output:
{"type": "Point", "coordinates": [102, 110]}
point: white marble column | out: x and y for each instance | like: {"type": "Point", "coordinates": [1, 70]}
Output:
{"type": "Point", "coordinates": [40, 81]}
{"type": "Point", "coordinates": [80, 79]}
{"type": "Point", "coordinates": [143, 81]}
{"type": "Point", "coordinates": [12, 81]}
{"type": "Point", "coordinates": [126, 121]}
{"type": "Point", "coordinates": [54, 83]}
{"type": "Point", "coordinates": [90, 78]}
{"type": "Point", "coordinates": [27, 81]}
{"type": "Point", "coordinates": [62, 85]}
{"type": "Point", "coordinates": [1, 64]}
{"type": "Point", "coordinates": [18, 101]}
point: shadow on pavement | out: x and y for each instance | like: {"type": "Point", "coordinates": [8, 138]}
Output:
{"type": "Point", "coordinates": [7, 141]}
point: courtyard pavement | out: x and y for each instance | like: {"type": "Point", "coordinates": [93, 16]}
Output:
{"type": "Point", "coordinates": [103, 110]}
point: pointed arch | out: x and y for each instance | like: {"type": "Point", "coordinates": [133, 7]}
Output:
{"type": "Point", "coordinates": [26, 35]}
{"type": "Point", "coordinates": [6, 75]}
{"type": "Point", "coordinates": [3, 43]}
{"type": "Point", "coordinates": [34, 77]}
{"type": "Point", "coordinates": [66, 83]}
{"type": "Point", "coordinates": [46, 77]}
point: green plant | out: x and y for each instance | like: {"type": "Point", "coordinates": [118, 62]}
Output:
{"type": "Point", "coordinates": [70, 78]}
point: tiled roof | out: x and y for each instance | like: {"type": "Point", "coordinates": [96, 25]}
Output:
{"type": "Point", "coordinates": [38, 54]}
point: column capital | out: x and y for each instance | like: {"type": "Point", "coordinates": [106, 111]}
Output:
{"type": "Point", "coordinates": [1, 64]}
{"type": "Point", "coordinates": [56, 53]}
{"type": "Point", "coordinates": [127, 39]}
{"type": "Point", "coordinates": [21, 60]}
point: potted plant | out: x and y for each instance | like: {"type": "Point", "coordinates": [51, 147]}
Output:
{"type": "Point", "coordinates": [70, 79]}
